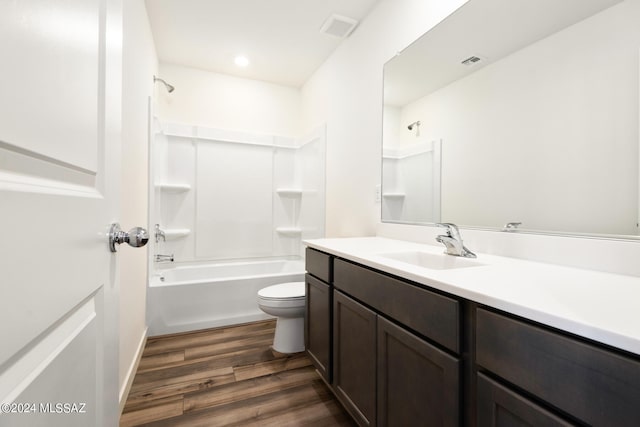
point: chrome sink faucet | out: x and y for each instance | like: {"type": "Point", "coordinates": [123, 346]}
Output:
{"type": "Point", "coordinates": [453, 241]}
{"type": "Point", "coordinates": [511, 226]}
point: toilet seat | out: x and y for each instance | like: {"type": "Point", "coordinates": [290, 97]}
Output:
{"type": "Point", "coordinates": [283, 291]}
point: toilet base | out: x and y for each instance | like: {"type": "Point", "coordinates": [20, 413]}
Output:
{"type": "Point", "coordinates": [289, 336]}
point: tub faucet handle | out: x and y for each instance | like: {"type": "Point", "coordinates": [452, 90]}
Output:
{"type": "Point", "coordinates": [160, 234]}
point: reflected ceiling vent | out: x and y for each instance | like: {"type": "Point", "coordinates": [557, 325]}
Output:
{"type": "Point", "coordinates": [471, 60]}
{"type": "Point", "coordinates": [338, 26]}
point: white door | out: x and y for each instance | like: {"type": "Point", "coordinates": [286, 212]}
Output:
{"type": "Point", "coordinates": [60, 103]}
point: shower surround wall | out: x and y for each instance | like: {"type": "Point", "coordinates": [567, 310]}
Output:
{"type": "Point", "coordinates": [224, 197]}
{"type": "Point", "coordinates": [411, 182]}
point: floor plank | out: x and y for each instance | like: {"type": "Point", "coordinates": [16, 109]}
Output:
{"type": "Point", "coordinates": [180, 374]}
{"type": "Point", "coordinates": [299, 360]}
{"type": "Point", "coordinates": [165, 343]}
{"type": "Point", "coordinates": [255, 409]}
{"type": "Point", "coordinates": [230, 357]}
{"type": "Point", "coordinates": [160, 360]}
{"type": "Point", "coordinates": [225, 377]}
{"type": "Point", "coordinates": [250, 340]}
{"type": "Point", "coordinates": [161, 409]}
{"type": "Point", "coordinates": [243, 390]}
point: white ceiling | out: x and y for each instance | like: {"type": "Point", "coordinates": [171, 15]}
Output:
{"type": "Point", "coordinates": [281, 38]}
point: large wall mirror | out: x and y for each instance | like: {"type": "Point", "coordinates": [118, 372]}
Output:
{"type": "Point", "coordinates": [518, 111]}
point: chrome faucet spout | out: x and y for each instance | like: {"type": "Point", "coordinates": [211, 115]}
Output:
{"type": "Point", "coordinates": [511, 226]}
{"type": "Point", "coordinates": [163, 258]}
{"type": "Point", "coordinates": [452, 230]}
{"type": "Point", "coordinates": [453, 241]}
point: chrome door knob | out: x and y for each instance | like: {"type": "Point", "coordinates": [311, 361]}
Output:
{"type": "Point", "coordinates": [136, 237]}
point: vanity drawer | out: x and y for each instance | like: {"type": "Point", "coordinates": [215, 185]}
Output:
{"type": "Point", "coordinates": [318, 264]}
{"type": "Point", "coordinates": [498, 406]}
{"type": "Point", "coordinates": [597, 386]}
{"type": "Point", "coordinates": [433, 315]}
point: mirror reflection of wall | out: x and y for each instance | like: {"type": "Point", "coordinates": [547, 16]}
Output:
{"type": "Point", "coordinates": [411, 179]}
{"type": "Point", "coordinates": [545, 134]}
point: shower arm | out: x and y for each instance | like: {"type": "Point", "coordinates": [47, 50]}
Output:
{"type": "Point", "coordinates": [170, 88]}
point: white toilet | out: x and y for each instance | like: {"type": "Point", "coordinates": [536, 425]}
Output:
{"type": "Point", "coordinates": [286, 301]}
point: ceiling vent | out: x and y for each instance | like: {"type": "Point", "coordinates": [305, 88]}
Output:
{"type": "Point", "coordinates": [338, 26]}
{"type": "Point", "coordinates": [471, 60]}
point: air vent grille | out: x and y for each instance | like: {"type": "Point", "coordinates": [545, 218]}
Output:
{"type": "Point", "coordinates": [338, 26]}
{"type": "Point", "coordinates": [471, 60]}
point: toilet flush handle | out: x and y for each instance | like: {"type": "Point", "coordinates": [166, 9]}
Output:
{"type": "Point", "coordinates": [136, 237]}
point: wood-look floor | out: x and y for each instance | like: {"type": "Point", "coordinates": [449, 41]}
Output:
{"type": "Point", "coordinates": [227, 377]}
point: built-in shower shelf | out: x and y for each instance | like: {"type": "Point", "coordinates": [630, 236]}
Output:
{"type": "Point", "coordinates": [176, 233]}
{"type": "Point", "coordinates": [174, 188]}
{"type": "Point", "coordinates": [289, 192]}
{"type": "Point", "coordinates": [393, 196]}
{"type": "Point", "coordinates": [289, 231]}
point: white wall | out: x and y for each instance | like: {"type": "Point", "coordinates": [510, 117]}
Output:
{"type": "Point", "coordinates": [139, 64]}
{"type": "Point", "coordinates": [346, 92]}
{"type": "Point", "coordinates": [220, 101]}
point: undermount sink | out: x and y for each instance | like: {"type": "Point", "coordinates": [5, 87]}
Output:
{"type": "Point", "coordinates": [432, 261]}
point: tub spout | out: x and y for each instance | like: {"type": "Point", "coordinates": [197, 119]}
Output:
{"type": "Point", "coordinates": [164, 258]}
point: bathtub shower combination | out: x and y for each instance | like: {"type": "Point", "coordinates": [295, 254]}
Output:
{"type": "Point", "coordinates": [190, 297]}
{"type": "Point", "coordinates": [232, 209]}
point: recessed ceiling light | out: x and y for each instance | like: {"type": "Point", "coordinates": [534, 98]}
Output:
{"type": "Point", "coordinates": [241, 61]}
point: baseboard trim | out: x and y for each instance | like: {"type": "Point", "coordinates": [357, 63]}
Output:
{"type": "Point", "coordinates": [131, 373]}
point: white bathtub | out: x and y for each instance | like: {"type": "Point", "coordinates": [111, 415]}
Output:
{"type": "Point", "coordinates": [191, 297]}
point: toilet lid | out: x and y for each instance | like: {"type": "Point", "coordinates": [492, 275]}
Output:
{"type": "Point", "coordinates": [283, 290]}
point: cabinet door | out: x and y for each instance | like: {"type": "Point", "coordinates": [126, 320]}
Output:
{"type": "Point", "coordinates": [500, 407]}
{"type": "Point", "coordinates": [318, 325]}
{"type": "Point", "coordinates": [430, 314]}
{"type": "Point", "coordinates": [597, 386]}
{"type": "Point", "coordinates": [418, 384]}
{"type": "Point", "coordinates": [354, 358]}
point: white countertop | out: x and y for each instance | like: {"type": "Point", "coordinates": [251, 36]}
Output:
{"type": "Point", "coordinates": [600, 306]}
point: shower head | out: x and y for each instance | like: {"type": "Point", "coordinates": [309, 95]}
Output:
{"type": "Point", "coordinates": [166, 85]}
{"type": "Point", "coordinates": [415, 124]}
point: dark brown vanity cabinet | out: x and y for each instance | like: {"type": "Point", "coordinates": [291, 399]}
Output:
{"type": "Point", "coordinates": [318, 326]}
{"type": "Point", "coordinates": [354, 357]}
{"type": "Point", "coordinates": [384, 373]}
{"type": "Point", "coordinates": [319, 311]}
{"type": "Point", "coordinates": [418, 384]}
{"type": "Point", "coordinates": [400, 354]}
{"type": "Point", "coordinates": [585, 383]}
